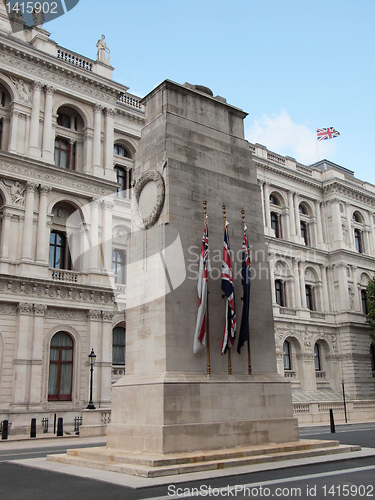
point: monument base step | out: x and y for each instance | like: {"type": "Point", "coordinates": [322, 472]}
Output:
{"type": "Point", "coordinates": [152, 465]}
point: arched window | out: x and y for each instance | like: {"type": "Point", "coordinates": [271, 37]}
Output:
{"type": "Point", "coordinates": [310, 302]}
{"type": "Point", "coordinates": [60, 377]}
{"type": "Point", "coordinates": [280, 293]}
{"type": "Point", "coordinates": [124, 178]}
{"type": "Point", "coordinates": [65, 153]}
{"type": "Point", "coordinates": [59, 255]}
{"type": "Point", "coordinates": [121, 151]}
{"type": "Point", "coordinates": [305, 232]}
{"type": "Point", "coordinates": [69, 140]}
{"type": "Point", "coordinates": [118, 345]}
{"type": "Point", "coordinates": [302, 209]}
{"type": "Point", "coordinates": [287, 356]}
{"type": "Point", "coordinates": [275, 224]}
{"type": "Point", "coordinates": [358, 240]}
{"type": "Point", "coordinates": [274, 200]}
{"type": "Point", "coordinates": [364, 301]}
{"type": "Point", "coordinates": [118, 265]}
{"type": "Point", "coordinates": [357, 217]}
{"type": "Point", "coordinates": [318, 365]}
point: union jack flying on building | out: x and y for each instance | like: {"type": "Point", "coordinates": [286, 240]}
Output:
{"type": "Point", "coordinates": [326, 133]}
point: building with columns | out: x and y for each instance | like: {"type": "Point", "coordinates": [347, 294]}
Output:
{"type": "Point", "coordinates": [320, 226]}
{"type": "Point", "coordinates": [68, 136]}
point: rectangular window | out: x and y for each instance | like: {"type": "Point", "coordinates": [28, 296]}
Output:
{"type": "Point", "coordinates": [310, 297]}
{"type": "Point", "coordinates": [124, 178]}
{"type": "Point", "coordinates": [280, 293]}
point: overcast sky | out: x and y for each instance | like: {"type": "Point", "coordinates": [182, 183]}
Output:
{"type": "Point", "coordinates": [293, 65]}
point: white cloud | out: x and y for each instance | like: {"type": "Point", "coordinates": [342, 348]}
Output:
{"type": "Point", "coordinates": [281, 135]}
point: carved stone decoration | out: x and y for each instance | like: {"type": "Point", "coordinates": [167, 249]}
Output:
{"type": "Point", "coordinates": [120, 234]}
{"type": "Point", "coordinates": [7, 309]}
{"type": "Point", "coordinates": [108, 316]}
{"type": "Point", "coordinates": [94, 315]}
{"type": "Point", "coordinates": [40, 309]}
{"type": "Point", "coordinates": [151, 176]}
{"type": "Point", "coordinates": [17, 191]}
{"type": "Point", "coordinates": [307, 338]}
{"type": "Point", "coordinates": [25, 308]}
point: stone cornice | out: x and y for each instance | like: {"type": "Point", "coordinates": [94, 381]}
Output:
{"type": "Point", "coordinates": [336, 187]}
{"type": "Point", "coordinates": [30, 290]}
{"type": "Point", "coordinates": [288, 173]}
{"type": "Point", "coordinates": [66, 181]}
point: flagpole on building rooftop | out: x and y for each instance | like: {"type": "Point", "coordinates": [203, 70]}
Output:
{"type": "Point", "coordinates": [207, 313]}
{"type": "Point", "coordinates": [228, 348]}
{"type": "Point", "coordinates": [248, 339]}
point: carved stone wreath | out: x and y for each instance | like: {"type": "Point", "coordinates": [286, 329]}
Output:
{"type": "Point", "coordinates": [151, 176]}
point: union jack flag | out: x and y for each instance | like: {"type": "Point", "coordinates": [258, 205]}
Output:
{"type": "Point", "coordinates": [244, 329]}
{"type": "Point", "coordinates": [326, 133]}
{"type": "Point", "coordinates": [228, 288]}
{"type": "Point", "coordinates": [204, 267]}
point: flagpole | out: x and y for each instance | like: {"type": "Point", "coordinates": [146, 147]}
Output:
{"type": "Point", "coordinates": [207, 313]}
{"type": "Point", "coordinates": [228, 348]}
{"type": "Point", "coordinates": [248, 337]}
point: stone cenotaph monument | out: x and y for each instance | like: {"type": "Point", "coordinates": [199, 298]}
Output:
{"type": "Point", "coordinates": [193, 149]}
{"type": "Point", "coordinates": [174, 412]}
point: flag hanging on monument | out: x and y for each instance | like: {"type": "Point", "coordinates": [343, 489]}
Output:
{"type": "Point", "coordinates": [204, 267]}
{"type": "Point", "coordinates": [244, 329]}
{"type": "Point", "coordinates": [326, 133]}
{"type": "Point", "coordinates": [228, 288]}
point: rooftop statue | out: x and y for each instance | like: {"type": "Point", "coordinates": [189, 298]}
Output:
{"type": "Point", "coordinates": [103, 51]}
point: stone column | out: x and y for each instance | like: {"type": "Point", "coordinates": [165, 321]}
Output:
{"type": "Point", "coordinates": [297, 290]}
{"type": "Point", "coordinates": [372, 233]}
{"type": "Point", "coordinates": [272, 276]}
{"type": "Point", "coordinates": [326, 303]}
{"type": "Point", "coordinates": [108, 206]}
{"type": "Point", "coordinates": [48, 146]}
{"type": "Point", "coordinates": [5, 236]}
{"type": "Point", "coordinates": [109, 140]}
{"type": "Point", "coordinates": [41, 241]}
{"type": "Point", "coordinates": [94, 236]}
{"type": "Point", "coordinates": [296, 211]}
{"type": "Point", "coordinates": [13, 131]}
{"type": "Point", "coordinates": [368, 248]}
{"type": "Point", "coordinates": [343, 287]}
{"type": "Point", "coordinates": [319, 224]}
{"type": "Point", "coordinates": [292, 219]}
{"type": "Point", "coordinates": [350, 229]}
{"type": "Point", "coordinates": [94, 341]}
{"type": "Point", "coordinates": [96, 153]}
{"type": "Point", "coordinates": [106, 359]}
{"type": "Point", "coordinates": [28, 223]}
{"type": "Point", "coordinates": [302, 284]}
{"type": "Point", "coordinates": [21, 363]}
{"type": "Point", "coordinates": [262, 198]}
{"type": "Point", "coordinates": [34, 125]}
{"type": "Point", "coordinates": [267, 204]}
{"type": "Point", "coordinates": [337, 223]}
{"type": "Point", "coordinates": [36, 376]}
{"type": "Point", "coordinates": [88, 148]}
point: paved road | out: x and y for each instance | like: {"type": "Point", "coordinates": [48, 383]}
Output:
{"type": "Point", "coordinates": [352, 479]}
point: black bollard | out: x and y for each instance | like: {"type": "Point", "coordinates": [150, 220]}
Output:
{"type": "Point", "coordinates": [5, 431]}
{"type": "Point", "coordinates": [332, 422]}
{"type": "Point", "coordinates": [33, 428]}
{"type": "Point", "coordinates": [60, 425]}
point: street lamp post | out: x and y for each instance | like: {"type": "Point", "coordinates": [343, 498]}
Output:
{"type": "Point", "coordinates": [92, 357]}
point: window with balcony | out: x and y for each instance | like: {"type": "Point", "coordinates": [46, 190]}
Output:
{"type": "Point", "coordinates": [60, 377]}
{"type": "Point", "coordinates": [287, 355]}
{"type": "Point", "coordinates": [317, 359]}
{"type": "Point", "coordinates": [275, 224]}
{"type": "Point", "coordinates": [280, 293]}
{"type": "Point", "coordinates": [118, 266]}
{"type": "Point", "coordinates": [118, 345]}
{"type": "Point", "coordinates": [65, 153]}
{"type": "Point", "coordinates": [358, 240]}
{"type": "Point", "coordinates": [310, 299]}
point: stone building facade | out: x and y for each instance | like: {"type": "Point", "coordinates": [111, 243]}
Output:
{"type": "Point", "coordinates": [68, 136]}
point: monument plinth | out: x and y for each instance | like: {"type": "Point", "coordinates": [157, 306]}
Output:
{"type": "Point", "coordinates": [193, 149]}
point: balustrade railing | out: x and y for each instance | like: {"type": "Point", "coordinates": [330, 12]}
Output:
{"type": "Point", "coordinates": [75, 59]}
{"type": "Point", "coordinates": [63, 275]}
{"type": "Point", "coordinates": [130, 100]}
